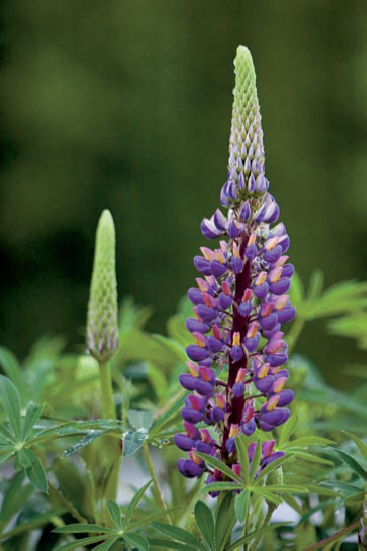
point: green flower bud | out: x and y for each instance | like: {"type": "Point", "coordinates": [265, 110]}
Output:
{"type": "Point", "coordinates": [102, 326]}
{"type": "Point", "coordinates": [246, 148]}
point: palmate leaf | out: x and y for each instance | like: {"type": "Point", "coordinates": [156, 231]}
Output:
{"type": "Point", "coordinates": [77, 544]}
{"type": "Point", "coordinates": [178, 534]}
{"type": "Point", "coordinates": [243, 458]}
{"type": "Point", "coordinates": [270, 468]}
{"type": "Point", "coordinates": [225, 519]}
{"type": "Point", "coordinates": [35, 522]}
{"type": "Point", "coordinates": [353, 463]}
{"type": "Point", "coordinates": [242, 504]}
{"type": "Point", "coordinates": [256, 460]}
{"type": "Point", "coordinates": [205, 522]}
{"type": "Point", "coordinates": [245, 539]}
{"type": "Point", "coordinates": [287, 430]}
{"type": "Point", "coordinates": [32, 416]}
{"type": "Point", "coordinates": [36, 473]}
{"type": "Point", "coordinates": [219, 487]}
{"type": "Point", "coordinates": [10, 400]}
{"type": "Point", "coordinates": [115, 514]}
{"type": "Point", "coordinates": [217, 464]}
{"type": "Point", "coordinates": [85, 441]}
{"type": "Point", "coordinates": [138, 541]}
{"type": "Point", "coordinates": [163, 419]}
{"type": "Point", "coordinates": [158, 543]}
{"type": "Point", "coordinates": [361, 446]}
{"type": "Point", "coordinates": [10, 366]}
{"type": "Point", "coordinates": [133, 440]}
{"type": "Point", "coordinates": [134, 501]}
{"type": "Point", "coordinates": [82, 528]}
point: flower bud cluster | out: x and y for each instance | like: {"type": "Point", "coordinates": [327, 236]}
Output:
{"type": "Point", "coordinates": [240, 304]}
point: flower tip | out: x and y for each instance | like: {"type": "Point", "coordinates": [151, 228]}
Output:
{"type": "Point", "coordinates": [244, 58]}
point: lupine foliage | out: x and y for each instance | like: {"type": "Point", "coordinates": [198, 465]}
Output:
{"type": "Point", "coordinates": [53, 423]}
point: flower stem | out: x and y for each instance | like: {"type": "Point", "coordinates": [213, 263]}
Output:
{"type": "Point", "coordinates": [157, 490]}
{"type": "Point", "coordinates": [108, 405]}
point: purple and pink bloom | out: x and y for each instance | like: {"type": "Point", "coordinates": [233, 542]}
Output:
{"type": "Point", "coordinates": [240, 303]}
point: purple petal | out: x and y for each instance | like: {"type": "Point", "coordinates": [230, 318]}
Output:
{"type": "Point", "coordinates": [206, 313]}
{"type": "Point", "coordinates": [202, 264]}
{"type": "Point", "coordinates": [192, 415]}
{"type": "Point", "coordinates": [281, 286]}
{"type": "Point", "coordinates": [204, 388]}
{"type": "Point", "coordinates": [286, 314]}
{"type": "Point", "coordinates": [269, 322]}
{"type": "Point", "coordinates": [196, 353]}
{"type": "Point", "coordinates": [214, 345]}
{"type": "Point", "coordinates": [194, 324]}
{"type": "Point", "coordinates": [184, 442]}
{"type": "Point", "coordinates": [224, 301]}
{"type": "Point", "coordinates": [187, 381]}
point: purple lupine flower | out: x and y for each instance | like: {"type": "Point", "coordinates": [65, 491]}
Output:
{"type": "Point", "coordinates": [239, 305]}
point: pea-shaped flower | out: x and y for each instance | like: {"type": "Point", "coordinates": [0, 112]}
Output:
{"type": "Point", "coordinates": [239, 304]}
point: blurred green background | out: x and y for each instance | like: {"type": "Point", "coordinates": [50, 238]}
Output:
{"type": "Point", "coordinates": [125, 104]}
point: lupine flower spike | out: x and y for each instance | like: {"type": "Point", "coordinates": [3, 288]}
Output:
{"type": "Point", "coordinates": [239, 304]}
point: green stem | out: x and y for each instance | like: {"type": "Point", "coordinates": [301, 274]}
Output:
{"type": "Point", "coordinates": [54, 492]}
{"type": "Point", "coordinates": [105, 379]}
{"type": "Point", "coordinates": [158, 493]}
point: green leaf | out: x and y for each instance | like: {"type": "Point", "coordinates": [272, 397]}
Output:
{"type": "Point", "coordinates": [308, 441]}
{"type": "Point", "coordinates": [242, 504]}
{"type": "Point", "coordinates": [220, 466]}
{"type": "Point", "coordinates": [115, 514]}
{"type": "Point", "coordinates": [105, 545]}
{"type": "Point", "coordinates": [361, 446]}
{"type": "Point", "coordinates": [316, 284]}
{"type": "Point", "coordinates": [355, 466]}
{"type": "Point", "coordinates": [77, 544]}
{"type": "Point", "coordinates": [321, 490]}
{"type": "Point", "coordinates": [85, 441]}
{"type": "Point", "coordinates": [25, 458]}
{"type": "Point", "coordinates": [35, 522]}
{"type": "Point", "coordinates": [169, 544]}
{"type": "Point", "coordinates": [256, 459]}
{"type": "Point", "coordinates": [81, 528]}
{"type": "Point", "coordinates": [296, 291]}
{"type": "Point", "coordinates": [5, 456]}
{"type": "Point", "coordinates": [178, 534]}
{"type": "Point", "coordinates": [219, 487]}
{"type": "Point", "coordinates": [225, 519]}
{"type": "Point", "coordinates": [11, 403]}
{"type": "Point", "coordinates": [137, 541]}
{"type": "Point", "coordinates": [36, 473]}
{"type": "Point", "coordinates": [10, 366]}
{"type": "Point", "coordinates": [205, 522]}
{"type": "Point", "coordinates": [270, 468]}
{"type": "Point", "coordinates": [149, 518]}
{"type": "Point", "coordinates": [135, 500]}
{"type": "Point", "coordinates": [140, 419]}
{"type": "Point", "coordinates": [310, 457]}
{"type": "Point", "coordinates": [238, 543]}
{"type": "Point", "coordinates": [6, 434]}
{"type": "Point", "coordinates": [287, 430]}
{"type": "Point", "coordinates": [168, 415]}
{"type": "Point", "coordinates": [266, 494]}
{"type": "Point", "coordinates": [243, 458]}
{"type": "Point", "coordinates": [289, 488]}
{"type": "Point", "coordinates": [133, 441]}
{"type": "Point", "coordinates": [33, 414]}
{"type": "Point", "coordinates": [15, 495]}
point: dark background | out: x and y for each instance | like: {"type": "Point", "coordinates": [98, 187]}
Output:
{"type": "Point", "coordinates": [126, 104]}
